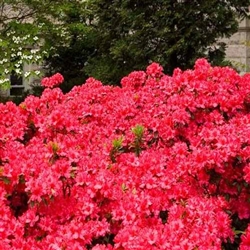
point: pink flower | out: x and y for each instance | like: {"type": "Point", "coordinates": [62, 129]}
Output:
{"type": "Point", "coordinates": [135, 80]}
{"type": "Point", "coordinates": [245, 240]}
{"type": "Point", "coordinates": [155, 70]}
{"type": "Point", "coordinates": [52, 81]}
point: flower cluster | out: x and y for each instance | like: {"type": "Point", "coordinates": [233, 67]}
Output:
{"type": "Point", "coordinates": [161, 163]}
{"type": "Point", "coordinates": [52, 81]}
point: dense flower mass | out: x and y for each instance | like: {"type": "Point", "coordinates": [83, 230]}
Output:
{"type": "Point", "coordinates": [52, 81]}
{"type": "Point", "coordinates": [161, 163]}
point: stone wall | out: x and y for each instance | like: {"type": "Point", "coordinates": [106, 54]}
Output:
{"type": "Point", "coordinates": [238, 47]}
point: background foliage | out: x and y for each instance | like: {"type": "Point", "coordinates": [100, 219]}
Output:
{"type": "Point", "coordinates": [109, 39]}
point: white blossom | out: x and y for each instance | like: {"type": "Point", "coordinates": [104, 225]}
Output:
{"type": "Point", "coordinates": [27, 74]}
{"type": "Point", "coordinates": [34, 51]}
{"type": "Point", "coordinates": [2, 81]}
{"type": "Point", "coordinates": [38, 57]}
{"type": "Point", "coordinates": [3, 61]}
{"type": "Point", "coordinates": [18, 71]}
{"type": "Point", "coordinates": [17, 65]}
{"type": "Point", "coordinates": [27, 57]}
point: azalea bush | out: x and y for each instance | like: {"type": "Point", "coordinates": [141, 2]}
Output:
{"type": "Point", "coordinates": [162, 162]}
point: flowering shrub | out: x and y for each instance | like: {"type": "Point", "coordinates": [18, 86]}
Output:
{"type": "Point", "coordinates": [160, 163]}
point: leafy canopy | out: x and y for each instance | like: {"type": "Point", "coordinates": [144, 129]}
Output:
{"type": "Point", "coordinates": [132, 33]}
{"type": "Point", "coordinates": [29, 31]}
{"type": "Point", "coordinates": [108, 39]}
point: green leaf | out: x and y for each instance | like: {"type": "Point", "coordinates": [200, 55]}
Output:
{"type": "Point", "coordinates": [124, 187]}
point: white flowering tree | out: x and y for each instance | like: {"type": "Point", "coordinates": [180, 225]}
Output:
{"type": "Point", "coordinates": [28, 30]}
